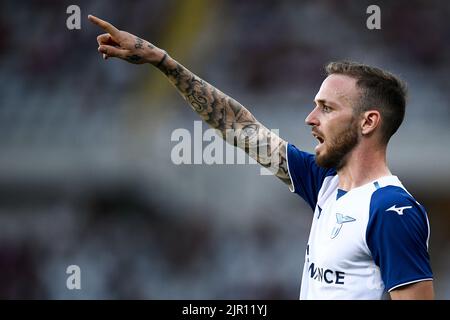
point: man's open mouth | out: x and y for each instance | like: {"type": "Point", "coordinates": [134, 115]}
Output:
{"type": "Point", "coordinates": [318, 137]}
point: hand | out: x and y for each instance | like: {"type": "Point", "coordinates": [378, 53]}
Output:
{"type": "Point", "coordinates": [124, 45]}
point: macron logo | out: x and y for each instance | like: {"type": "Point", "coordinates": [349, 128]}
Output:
{"type": "Point", "coordinates": [398, 210]}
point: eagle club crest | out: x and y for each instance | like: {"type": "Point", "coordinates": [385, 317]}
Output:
{"type": "Point", "coordinates": [340, 220]}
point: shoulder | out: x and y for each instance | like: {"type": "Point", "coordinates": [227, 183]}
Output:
{"type": "Point", "coordinates": [391, 198]}
{"type": "Point", "coordinates": [394, 211]}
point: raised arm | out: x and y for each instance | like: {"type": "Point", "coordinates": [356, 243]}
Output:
{"type": "Point", "coordinates": [233, 121]}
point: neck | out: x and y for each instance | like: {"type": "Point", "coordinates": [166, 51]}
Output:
{"type": "Point", "coordinates": [364, 164]}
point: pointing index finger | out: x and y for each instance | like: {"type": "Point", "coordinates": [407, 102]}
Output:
{"type": "Point", "coordinates": [108, 27]}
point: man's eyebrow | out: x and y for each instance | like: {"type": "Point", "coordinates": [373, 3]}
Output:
{"type": "Point", "coordinates": [323, 101]}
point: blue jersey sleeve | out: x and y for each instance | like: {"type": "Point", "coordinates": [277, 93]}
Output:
{"type": "Point", "coordinates": [397, 236]}
{"type": "Point", "coordinates": [306, 176]}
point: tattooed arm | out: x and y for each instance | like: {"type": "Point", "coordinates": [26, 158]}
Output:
{"type": "Point", "coordinates": [233, 121]}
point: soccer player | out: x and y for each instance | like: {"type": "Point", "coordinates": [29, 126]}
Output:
{"type": "Point", "coordinates": [369, 235]}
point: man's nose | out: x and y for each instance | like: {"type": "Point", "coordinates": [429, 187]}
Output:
{"type": "Point", "coordinates": [312, 119]}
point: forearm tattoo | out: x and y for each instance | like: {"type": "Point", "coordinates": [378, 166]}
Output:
{"type": "Point", "coordinates": [235, 123]}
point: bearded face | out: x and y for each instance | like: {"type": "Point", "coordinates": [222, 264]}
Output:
{"type": "Point", "coordinates": [334, 120]}
{"type": "Point", "coordinates": [334, 146]}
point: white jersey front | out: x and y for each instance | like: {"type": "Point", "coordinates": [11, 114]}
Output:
{"type": "Point", "coordinates": [364, 242]}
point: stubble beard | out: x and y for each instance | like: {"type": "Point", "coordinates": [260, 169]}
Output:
{"type": "Point", "coordinates": [339, 147]}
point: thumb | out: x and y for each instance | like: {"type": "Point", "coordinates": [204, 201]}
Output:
{"type": "Point", "coordinates": [111, 51]}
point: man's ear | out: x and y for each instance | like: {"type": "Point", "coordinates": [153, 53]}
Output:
{"type": "Point", "coordinates": [370, 121]}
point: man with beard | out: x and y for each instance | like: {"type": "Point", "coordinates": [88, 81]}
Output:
{"type": "Point", "coordinates": [369, 235]}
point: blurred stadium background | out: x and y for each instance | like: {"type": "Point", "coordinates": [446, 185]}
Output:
{"type": "Point", "coordinates": [85, 170]}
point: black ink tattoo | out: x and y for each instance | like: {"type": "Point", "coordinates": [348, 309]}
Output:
{"type": "Point", "coordinates": [139, 43]}
{"type": "Point", "coordinates": [162, 60]}
{"type": "Point", "coordinates": [236, 124]}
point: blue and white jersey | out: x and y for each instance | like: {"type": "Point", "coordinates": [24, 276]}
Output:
{"type": "Point", "coordinates": [364, 242]}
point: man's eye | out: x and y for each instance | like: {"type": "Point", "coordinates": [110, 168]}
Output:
{"type": "Point", "coordinates": [326, 108]}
